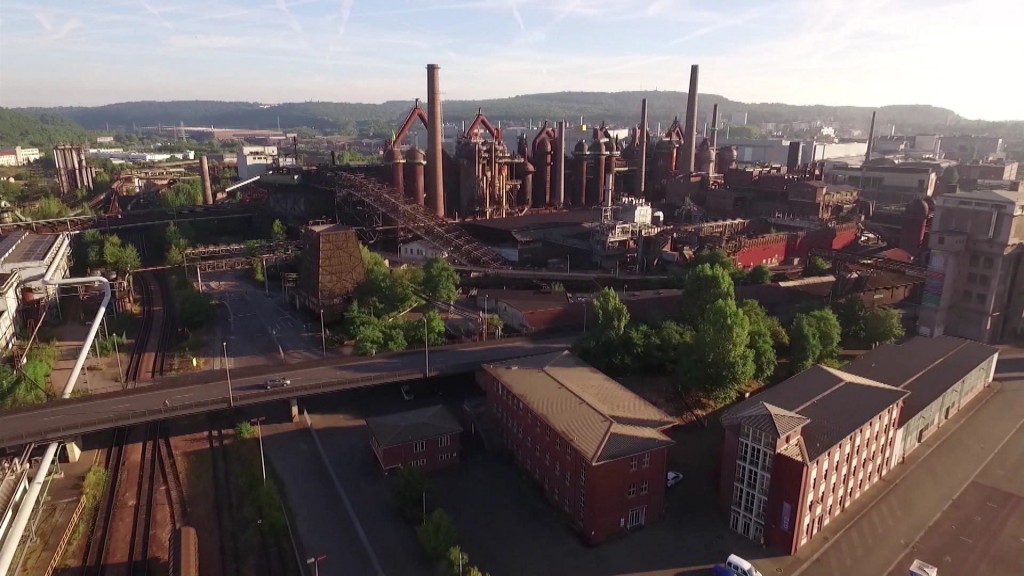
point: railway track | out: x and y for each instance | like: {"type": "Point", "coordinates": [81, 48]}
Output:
{"type": "Point", "coordinates": [138, 546]}
{"type": "Point", "coordinates": [96, 547]}
{"type": "Point", "coordinates": [225, 502]}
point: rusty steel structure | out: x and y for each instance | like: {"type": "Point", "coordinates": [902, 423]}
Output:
{"type": "Point", "coordinates": [368, 197]}
{"type": "Point", "coordinates": [72, 171]}
{"type": "Point", "coordinates": [490, 176]}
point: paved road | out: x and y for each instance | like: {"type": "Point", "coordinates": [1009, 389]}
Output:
{"type": "Point", "coordinates": [887, 521]}
{"type": "Point", "coordinates": [61, 419]}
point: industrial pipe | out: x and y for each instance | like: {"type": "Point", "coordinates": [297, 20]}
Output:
{"type": "Point", "coordinates": [10, 545]}
{"type": "Point", "coordinates": [435, 154]}
{"type": "Point", "coordinates": [559, 180]}
{"type": "Point", "coordinates": [643, 147]}
{"type": "Point", "coordinates": [690, 143]}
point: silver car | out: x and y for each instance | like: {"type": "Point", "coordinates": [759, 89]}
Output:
{"type": "Point", "coordinates": [277, 382]}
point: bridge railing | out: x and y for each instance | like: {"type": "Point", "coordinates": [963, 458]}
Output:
{"type": "Point", "coordinates": [142, 416]}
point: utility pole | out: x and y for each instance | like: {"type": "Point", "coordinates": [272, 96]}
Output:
{"type": "Point", "coordinates": [315, 561]}
{"type": "Point", "coordinates": [426, 350]}
{"type": "Point", "coordinates": [323, 333]}
{"type": "Point", "coordinates": [259, 434]}
{"type": "Point", "coordinates": [266, 279]}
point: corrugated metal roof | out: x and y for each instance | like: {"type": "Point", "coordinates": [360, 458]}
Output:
{"type": "Point", "coordinates": [405, 427]}
{"type": "Point", "coordinates": [925, 367]}
{"type": "Point", "coordinates": [600, 417]}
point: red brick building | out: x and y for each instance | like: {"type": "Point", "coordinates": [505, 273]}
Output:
{"type": "Point", "coordinates": [427, 438]}
{"type": "Point", "coordinates": [797, 454]}
{"type": "Point", "coordinates": [599, 451]}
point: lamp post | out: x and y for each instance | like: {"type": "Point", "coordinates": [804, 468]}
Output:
{"type": "Point", "coordinates": [259, 434]}
{"type": "Point", "coordinates": [315, 561]}
{"type": "Point", "coordinates": [486, 318]}
{"type": "Point", "coordinates": [227, 369]}
{"type": "Point", "coordinates": [323, 333]}
{"type": "Point", "coordinates": [266, 279]}
{"type": "Point", "coordinates": [426, 350]}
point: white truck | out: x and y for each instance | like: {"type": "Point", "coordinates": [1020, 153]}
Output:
{"type": "Point", "coordinates": [919, 568]}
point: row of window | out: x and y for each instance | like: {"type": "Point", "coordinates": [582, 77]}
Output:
{"type": "Point", "coordinates": [632, 490]}
{"type": "Point", "coordinates": [421, 445]}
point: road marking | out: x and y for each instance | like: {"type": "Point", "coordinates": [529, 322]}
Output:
{"type": "Point", "coordinates": [966, 540]}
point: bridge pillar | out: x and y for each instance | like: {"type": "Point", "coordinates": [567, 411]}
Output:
{"type": "Point", "coordinates": [294, 404]}
{"type": "Point", "coordinates": [72, 447]}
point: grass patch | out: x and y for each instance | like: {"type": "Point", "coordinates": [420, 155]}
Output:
{"type": "Point", "coordinates": [92, 491]}
{"type": "Point", "coordinates": [261, 508]}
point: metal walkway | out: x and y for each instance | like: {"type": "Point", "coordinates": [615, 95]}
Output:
{"type": "Point", "coordinates": [404, 212]}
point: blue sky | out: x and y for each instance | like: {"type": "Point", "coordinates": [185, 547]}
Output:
{"type": "Point", "coordinates": [861, 52]}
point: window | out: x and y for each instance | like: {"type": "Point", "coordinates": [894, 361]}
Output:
{"type": "Point", "coordinates": [632, 490]}
{"type": "Point", "coordinates": [558, 443]}
{"type": "Point", "coordinates": [984, 280]}
{"type": "Point", "coordinates": [443, 441]}
{"type": "Point", "coordinates": [986, 263]}
{"type": "Point", "coordinates": [979, 298]}
{"type": "Point", "coordinates": [647, 460]}
{"type": "Point", "coordinates": [974, 260]}
{"type": "Point", "coordinates": [972, 278]}
{"type": "Point", "coordinates": [419, 446]}
{"type": "Point", "coordinates": [643, 487]}
{"type": "Point", "coordinates": [566, 476]}
{"type": "Point", "coordinates": [634, 462]}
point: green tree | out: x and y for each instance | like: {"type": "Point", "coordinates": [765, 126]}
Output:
{"type": "Point", "coordinates": [394, 337]}
{"type": "Point", "coordinates": [829, 333]}
{"type": "Point", "coordinates": [814, 339]}
{"type": "Point", "coordinates": [852, 314]}
{"type": "Point", "coordinates": [458, 559]}
{"type": "Point", "coordinates": [437, 534]}
{"type": "Point", "coordinates": [705, 285]}
{"type": "Point", "coordinates": [369, 338]}
{"type": "Point", "coordinates": [101, 183]}
{"type": "Point", "coordinates": [244, 430]}
{"type": "Point", "coordinates": [671, 340]}
{"type": "Point", "coordinates": [371, 260]}
{"type": "Point", "coordinates": [760, 342]}
{"type": "Point", "coordinates": [120, 257]}
{"type": "Point", "coordinates": [719, 361]}
{"type": "Point", "coordinates": [760, 274]}
{"type": "Point", "coordinates": [93, 239]}
{"type": "Point", "coordinates": [185, 193]}
{"type": "Point", "coordinates": [804, 346]}
{"type": "Point", "coordinates": [440, 281]}
{"type": "Point", "coordinates": [758, 315]}
{"type": "Point", "coordinates": [714, 257]}
{"type": "Point", "coordinates": [610, 315]}
{"type": "Point", "coordinates": [278, 232]}
{"type": "Point", "coordinates": [816, 266]}
{"type": "Point", "coordinates": [883, 326]}
{"type": "Point", "coordinates": [48, 208]}
{"type": "Point", "coordinates": [176, 244]}
{"type": "Point", "coordinates": [435, 331]}
{"type": "Point", "coordinates": [194, 308]}
{"type": "Point", "coordinates": [410, 491]}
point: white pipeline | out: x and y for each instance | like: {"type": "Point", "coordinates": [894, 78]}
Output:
{"type": "Point", "coordinates": [10, 545]}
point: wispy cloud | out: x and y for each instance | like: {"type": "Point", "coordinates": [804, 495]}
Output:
{"type": "Point", "coordinates": [57, 27]}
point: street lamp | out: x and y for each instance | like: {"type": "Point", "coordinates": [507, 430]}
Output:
{"type": "Point", "coordinates": [486, 298]}
{"type": "Point", "coordinates": [259, 434]}
{"type": "Point", "coordinates": [315, 561]}
{"type": "Point", "coordinates": [227, 369]}
{"type": "Point", "coordinates": [266, 279]}
{"type": "Point", "coordinates": [426, 350]}
{"type": "Point", "coordinates": [323, 333]}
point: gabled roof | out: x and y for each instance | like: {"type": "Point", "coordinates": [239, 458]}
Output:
{"type": "Point", "coordinates": [405, 427]}
{"type": "Point", "coordinates": [925, 367]}
{"type": "Point", "coordinates": [600, 417]}
{"type": "Point", "coordinates": [833, 403]}
{"type": "Point", "coordinates": [769, 419]}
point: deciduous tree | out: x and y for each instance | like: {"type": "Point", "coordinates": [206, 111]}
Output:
{"type": "Point", "coordinates": [759, 275]}
{"type": "Point", "coordinates": [440, 280]}
{"type": "Point", "coordinates": [883, 326]}
{"type": "Point", "coordinates": [705, 285]}
{"type": "Point", "coordinates": [719, 361]}
{"type": "Point", "coordinates": [437, 534]}
{"type": "Point", "coordinates": [610, 314]}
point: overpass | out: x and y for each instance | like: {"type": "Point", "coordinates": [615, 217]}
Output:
{"type": "Point", "coordinates": [196, 394]}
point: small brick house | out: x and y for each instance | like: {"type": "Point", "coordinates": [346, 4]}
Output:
{"type": "Point", "coordinates": [426, 438]}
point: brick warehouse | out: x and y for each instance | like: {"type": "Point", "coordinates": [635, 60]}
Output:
{"type": "Point", "coordinates": [799, 453]}
{"type": "Point", "coordinates": [599, 451]}
{"type": "Point", "coordinates": [427, 438]}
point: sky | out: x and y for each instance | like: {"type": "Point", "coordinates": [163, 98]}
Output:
{"type": "Point", "coordinates": [959, 54]}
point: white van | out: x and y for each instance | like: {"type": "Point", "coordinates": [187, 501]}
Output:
{"type": "Point", "coordinates": [740, 566]}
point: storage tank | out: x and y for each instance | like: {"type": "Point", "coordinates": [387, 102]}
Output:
{"type": "Point", "coordinates": [726, 158]}
{"type": "Point", "coordinates": [397, 162]}
{"type": "Point", "coordinates": [580, 153]}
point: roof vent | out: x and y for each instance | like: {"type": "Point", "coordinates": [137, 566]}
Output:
{"type": "Point", "coordinates": [512, 367]}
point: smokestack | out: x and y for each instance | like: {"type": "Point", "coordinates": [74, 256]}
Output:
{"type": "Point", "coordinates": [558, 184]}
{"type": "Point", "coordinates": [204, 173]}
{"type": "Point", "coordinates": [714, 127]}
{"type": "Point", "coordinates": [643, 146]}
{"type": "Point", "coordinates": [871, 138]}
{"type": "Point", "coordinates": [892, 132]}
{"type": "Point", "coordinates": [435, 172]}
{"type": "Point", "coordinates": [690, 145]}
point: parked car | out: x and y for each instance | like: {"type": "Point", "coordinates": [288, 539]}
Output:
{"type": "Point", "coordinates": [277, 382]}
{"type": "Point", "coordinates": [407, 392]}
{"type": "Point", "coordinates": [673, 478]}
{"type": "Point", "coordinates": [735, 566]}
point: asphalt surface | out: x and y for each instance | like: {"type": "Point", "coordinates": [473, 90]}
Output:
{"type": "Point", "coordinates": [91, 413]}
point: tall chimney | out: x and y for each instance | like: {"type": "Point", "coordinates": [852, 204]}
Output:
{"type": "Point", "coordinates": [643, 146]}
{"type": "Point", "coordinates": [690, 145]}
{"type": "Point", "coordinates": [435, 171]}
{"type": "Point", "coordinates": [204, 173]}
{"type": "Point", "coordinates": [714, 127]}
{"type": "Point", "coordinates": [871, 138]}
{"type": "Point", "coordinates": [558, 184]}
